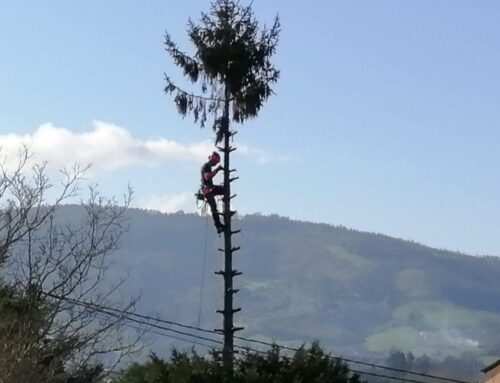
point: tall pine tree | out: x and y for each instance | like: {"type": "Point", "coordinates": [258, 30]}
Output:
{"type": "Point", "coordinates": [232, 67]}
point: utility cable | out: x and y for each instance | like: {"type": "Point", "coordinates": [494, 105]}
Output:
{"type": "Point", "coordinates": [368, 364]}
{"type": "Point", "coordinates": [117, 312]}
{"type": "Point", "coordinates": [128, 316]}
{"type": "Point", "coordinates": [152, 331]}
{"type": "Point", "coordinates": [400, 379]}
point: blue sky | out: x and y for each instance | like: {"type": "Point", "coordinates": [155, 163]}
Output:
{"type": "Point", "coordinates": [385, 118]}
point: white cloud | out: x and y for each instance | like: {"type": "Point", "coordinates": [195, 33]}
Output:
{"type": "Point", "coordinates": [168, 203]}
{"type": "Point", "coordinates": [106, 146]}
{"type": "Point", "coordinates": [261, 155]}
{"type": "Point", "coordinates": [109, 147]}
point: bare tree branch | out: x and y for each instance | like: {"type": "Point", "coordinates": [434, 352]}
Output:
{"type": "Point", "coordinates": [44, 254]}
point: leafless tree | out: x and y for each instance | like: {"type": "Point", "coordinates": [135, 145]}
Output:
{"type": "Point", "coordinates": [56, 269]}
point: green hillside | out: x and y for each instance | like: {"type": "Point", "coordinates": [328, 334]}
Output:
{"type": "Point", "coordinates": [357, 292]}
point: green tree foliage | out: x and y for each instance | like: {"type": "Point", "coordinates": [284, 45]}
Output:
{"type": "Point", "coordinates": [26, 354]}
{"type": "Point", "coordinates": [231, 63]}
{"type": "Point", "coordinates": [311, 364]}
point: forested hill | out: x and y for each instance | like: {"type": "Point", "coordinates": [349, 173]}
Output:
{"type": "Point", "coordinates": [356, 292]}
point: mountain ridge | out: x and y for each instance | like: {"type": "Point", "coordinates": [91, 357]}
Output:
{"type": "Point", "coordinates": [357, 292]}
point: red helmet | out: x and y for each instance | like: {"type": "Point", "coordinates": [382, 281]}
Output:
{"type": "Point", "coordinates": [214, 157]}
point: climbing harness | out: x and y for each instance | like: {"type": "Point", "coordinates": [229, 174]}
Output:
{"type": "Point", "coordinates": [201, 202]}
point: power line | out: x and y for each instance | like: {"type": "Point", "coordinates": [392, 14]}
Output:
{"type": "Point", "coordinates": [152, 331]}
{"type": "Point", "coordinates": [373, 365]}
{"type": "Point", "coordinates": [128, 314]}
{"type": "Point", "coordinates": [98, 307]}
{"type": "Point", "coordinates": [400, 379]}
{"type": "Point", "coordinates": [359, 372]}
{"type": "Point", "coordinates": [257, 351]}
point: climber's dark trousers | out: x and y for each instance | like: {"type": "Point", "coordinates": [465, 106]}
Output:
{"type": "Point", "coordinates": [210, 197]}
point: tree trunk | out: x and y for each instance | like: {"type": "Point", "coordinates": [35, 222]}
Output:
{"type": "Point", "coordinates": [227, 351]}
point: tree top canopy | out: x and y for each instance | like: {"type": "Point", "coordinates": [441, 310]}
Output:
{"type": "Point", "coordinates": [231, 62]}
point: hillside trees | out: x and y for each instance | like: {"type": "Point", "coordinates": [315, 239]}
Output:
{"type": "Point", "coordinates": [465, 366]}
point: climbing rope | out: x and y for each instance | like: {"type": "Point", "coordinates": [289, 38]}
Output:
{"type": "Point", "coordinates": [203, 207]}
{"type": "Point", "coordinates": [202, 284]}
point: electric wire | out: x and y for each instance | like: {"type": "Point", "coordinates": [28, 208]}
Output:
{"type": "Point", "coordinates": [153, 331]}
{"type": "Point", "coordinates": [268, 344]}
{"type": "Point", "coordinates": [127, 315]}
{"type": "Point", "coordinates": [359, 362]}
{"type": "Point", "coordinates": [245, 348]}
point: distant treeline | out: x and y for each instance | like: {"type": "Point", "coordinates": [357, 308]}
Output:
{"type": "Point", "coordinates": [465, 367]}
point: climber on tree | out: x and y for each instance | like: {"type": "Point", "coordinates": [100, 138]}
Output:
{"type": "Point", "coordinates": [209, 190]}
